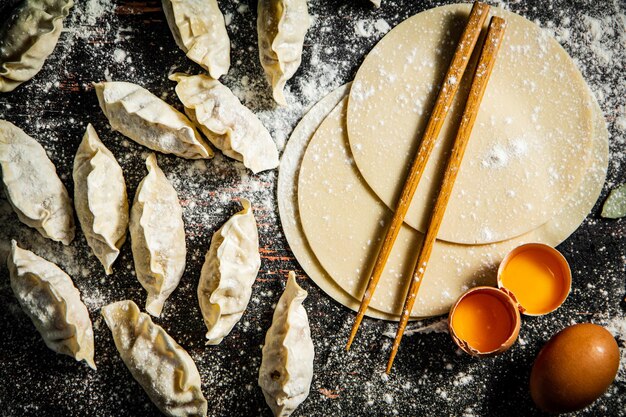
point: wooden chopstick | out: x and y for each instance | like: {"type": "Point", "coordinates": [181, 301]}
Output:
{"type": "Point", "coordinates": [451, 82]}
{"type": "Point", "coordinates": [482, 73]}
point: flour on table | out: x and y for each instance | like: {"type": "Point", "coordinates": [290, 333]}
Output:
{"type": "Point", "coordinates": [617, 326]}
{"type": "Point", "coordinates": [438, 326]}
{"type": "Point", "coordinates": [209, 190]}
{"type": "Point", "coordinates": [368, 27]}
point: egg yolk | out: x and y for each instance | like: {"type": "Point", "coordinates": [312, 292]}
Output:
{"type": "Point", "coordinates": [536, 279]}
{"type": "Point", "coordinates": [483, 320]}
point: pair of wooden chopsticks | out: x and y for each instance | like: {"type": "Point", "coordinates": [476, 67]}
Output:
{"type": "Point", "coordinates": [451, 83]}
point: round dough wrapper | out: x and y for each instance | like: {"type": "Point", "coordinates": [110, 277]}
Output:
{"type": "Point", "coordinates": [528, 148]}
{"type": "Point", "coordinates": [344, 223]}
{"type": "Point", "coordinates": [288, 204]}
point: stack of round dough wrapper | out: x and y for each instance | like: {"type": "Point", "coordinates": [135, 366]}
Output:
{"type": "Point", "coordinates": [533, 169]}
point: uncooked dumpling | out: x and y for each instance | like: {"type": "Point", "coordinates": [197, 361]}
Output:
{"type": "Point", "coordinates": [161, 366]}
{"type": "Point", "coordinates": [48, 296]}
{"type": "Point", "coordinates": [287, 366]}
{"type": "Point", "coordinates": [227, 123]}
{"type": "Point", "coordinates": [100, 198]}
{"type": "Point", "coordinates": [281, 27]}
{"type": "Point", "coordinates": [32, 186]}
{"type": "Point", "coordinates": [143, 117]}
{"type": "Point", "coordinates": [199, 29]}
{"type": "Point", "coordinates": [28, 37]}
{"type": "Point", "coordinates": [157, 237]}
{"type": "Point", "coordinates": [231, 266]}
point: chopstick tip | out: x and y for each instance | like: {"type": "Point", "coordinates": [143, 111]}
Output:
{"type": "Point", "coordinates": [390, 364]}
{"type": "Point", "coordinates": [356, 324]}
{"type": "Point", "coordinates": [394, 351]}
{"type": "Point", "coordinates": [355, 328]}
{"type": "Point", "coordinates": [481, 7]}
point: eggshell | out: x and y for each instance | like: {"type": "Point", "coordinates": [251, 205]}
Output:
{"type": "Point", "coordinates": [511, 311]}
{"type": "Point", "coordinates": [574, 368]}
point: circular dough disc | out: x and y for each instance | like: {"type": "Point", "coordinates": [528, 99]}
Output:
{"type": "Point", "coordinates": [529, 145]}
{"type": "Point", "coordinates": [288, 205]}
{"type": "Point", "coordinates": [344, 221]}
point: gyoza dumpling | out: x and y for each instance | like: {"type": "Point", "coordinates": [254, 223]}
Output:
{"type": "Point", "coordinates": [287, 365]}
{"type": "Point", "coordinates": [161, 366]}
{"type": "Point", "coordinates": [227, 123]}
{"type": "Point", "coordinates": [100, 198]}
{"type": "Point", "coordinates": [143, 117]}
{"type": "Point", "coordinates": [281, 27]}
{"type": "Point", "coordinates": [27, 37]}
{"type": "Point", "coordinates": [157, 237]}
{"type": "Point", "coordinates": [200, 31]}
{"type": "Point", "coordinates": [48, 296]}
{"type": "Point", "coordinates": [32, 186]}
{"type": "Point", "coordinates": [230, 268]}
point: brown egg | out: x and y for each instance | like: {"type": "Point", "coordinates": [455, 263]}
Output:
{"type": "Point", "coordinates": [574, 368]}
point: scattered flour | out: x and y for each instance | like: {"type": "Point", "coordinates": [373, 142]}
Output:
{"type": "Point", "coordinates": [368, 27]}
{"type": "Point", "coordinates": [617, 326]}
{"type": "Point", "coordinates": [119, 56]}
{"type": "Point", "coordinates": [94, 10]}
{"type": "Point", "coordinates": [107, 34]}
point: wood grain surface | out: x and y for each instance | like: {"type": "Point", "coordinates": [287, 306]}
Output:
{"type": "Point", "coordinates": [130, 41]}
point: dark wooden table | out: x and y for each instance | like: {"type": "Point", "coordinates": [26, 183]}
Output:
{"type": "Point", "coordinates": [130, 40]}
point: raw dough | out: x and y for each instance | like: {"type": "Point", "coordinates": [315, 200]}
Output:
{"type": "Point", "coordinates": [344, 220]}
{"type": "Point", "coordinates": [529, 146]}
{"type": "Point", "coordinates": [288, 204]}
